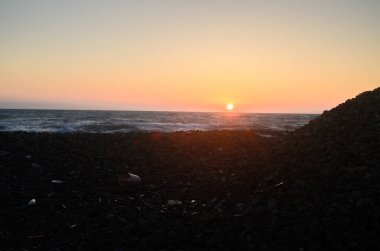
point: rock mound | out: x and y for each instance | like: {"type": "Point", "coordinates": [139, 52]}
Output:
{"type": "Point", "coordinates": [326, 178]}
{"type": "Point", "coordinates": [348, 134]}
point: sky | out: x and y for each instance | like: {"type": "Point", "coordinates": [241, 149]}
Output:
{"type": "Point", "coordinates": [297, 56]}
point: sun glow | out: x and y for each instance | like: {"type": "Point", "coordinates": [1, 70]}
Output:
{"type": "Point", "coordinates": [230, 106]}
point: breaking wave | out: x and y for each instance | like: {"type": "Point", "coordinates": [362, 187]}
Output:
{"type": "Point", "coordinates": [118, 121]}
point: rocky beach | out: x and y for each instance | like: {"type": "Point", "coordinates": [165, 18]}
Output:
{"type": "Point", "coordinates": [315, 188]}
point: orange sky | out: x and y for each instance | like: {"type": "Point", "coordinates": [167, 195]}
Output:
{"type": "Point", "coordinates": [263, 56]}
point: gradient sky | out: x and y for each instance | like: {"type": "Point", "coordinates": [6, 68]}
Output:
{"type": "Point", "coordinates": [264, 56]}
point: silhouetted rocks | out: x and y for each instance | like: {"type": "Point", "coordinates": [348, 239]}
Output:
{"type": "Point", "coordinates": [348, 134]}
{"type": "Point", "coordinates": [331, 173]}
{"type": "Point", "coordinates": [317, 188]}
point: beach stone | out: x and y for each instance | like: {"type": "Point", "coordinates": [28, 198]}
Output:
{"type": "Point", "coordinates": [36, 166]}
{"type": "Point", "coordinates": [32, 202]}
{"type": "Point", "coordinates": [127, 180]}
{"type": "Point", "coordinates": [174, 203]}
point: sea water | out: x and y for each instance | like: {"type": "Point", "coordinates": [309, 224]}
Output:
{"type": "Point", "coordinates": [129, 121]}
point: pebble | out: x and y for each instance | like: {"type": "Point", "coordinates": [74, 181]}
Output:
{"type": "Point", "coordinates": [35, 236]}
{"type": "Point", "coordinates": [265, 135]}
{"type": "Point", "coordinates": [32, 202]}
{"type": "Point", "coordinates": [34, 165]}
{"type": "Point", "coordinates": [127, 180]}
{"type": "Point", "coordinates": [174, 202]}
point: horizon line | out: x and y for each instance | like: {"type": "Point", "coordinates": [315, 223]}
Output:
{"type": "Point", "coordinates": [120, 110]}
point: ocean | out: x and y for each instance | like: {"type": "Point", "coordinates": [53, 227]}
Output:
{"type": "Point", "coordinates": [64, 121]}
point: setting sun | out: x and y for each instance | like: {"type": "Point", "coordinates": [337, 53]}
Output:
{"type": "Point", "coordinates": [230, 107]}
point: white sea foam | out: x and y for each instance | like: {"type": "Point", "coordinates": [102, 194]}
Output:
{"type": "Point", "coordinates": [118, 121]}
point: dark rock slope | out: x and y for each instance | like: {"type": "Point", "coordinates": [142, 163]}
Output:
{"type": "Point", "coordinates": [324, 179]}
{"type": "Point", "coordinates": [347, 135]}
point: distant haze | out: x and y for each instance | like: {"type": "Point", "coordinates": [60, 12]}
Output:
{"type": "Point", "coordinates": [263, 56]}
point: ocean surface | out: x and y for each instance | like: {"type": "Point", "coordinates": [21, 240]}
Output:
{"type": "Point", "coordinates": [128, 121]}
